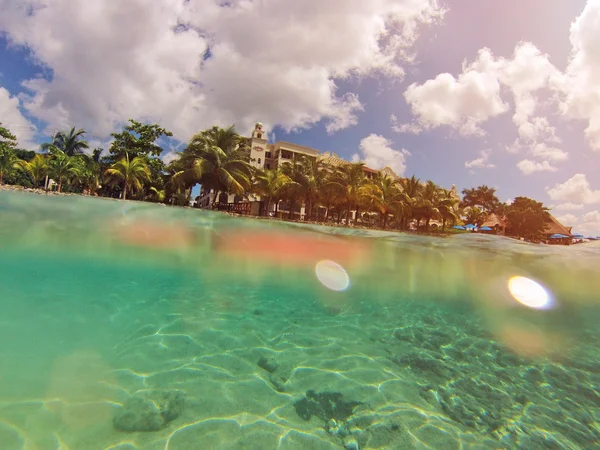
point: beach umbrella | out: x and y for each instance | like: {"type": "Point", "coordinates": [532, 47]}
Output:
{"type": "Point", "coordinates": [578, 236]}
{"type": "Point", "coordinates": [459, 227]}
{"type": "Point", "coordinates": [470, 226]}
{"type": "Point", "coordinates": [485, 229]}
{"type": "Point", "coordinates": [558, 236]}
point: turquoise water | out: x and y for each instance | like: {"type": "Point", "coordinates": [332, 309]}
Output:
{"type": "Point", "coordinates": [127, 325]}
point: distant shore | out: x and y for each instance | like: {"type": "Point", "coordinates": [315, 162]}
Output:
{"type": "Point", "coordinates": [16, 188]}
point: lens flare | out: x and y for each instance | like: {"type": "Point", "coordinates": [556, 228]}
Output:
{"type": "Point", "coordinates": [529, 293]}
{"type": "Point", "coordinates": [332, 275]}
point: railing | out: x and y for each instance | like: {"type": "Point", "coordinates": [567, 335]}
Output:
{"type": "Point", "coordinates": [239, 208]}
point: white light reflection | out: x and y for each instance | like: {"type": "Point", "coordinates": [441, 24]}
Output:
{"type": "Point", "coordinates": [332, 275]}
{"type": "Point", "coordinates": [530, 293]}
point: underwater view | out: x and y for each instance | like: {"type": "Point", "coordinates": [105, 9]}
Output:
{"type": "Point", "coordinates": [129, 325]}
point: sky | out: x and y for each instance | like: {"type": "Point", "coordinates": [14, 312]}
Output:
{"type": "Point", "coordinates": [464, 92]}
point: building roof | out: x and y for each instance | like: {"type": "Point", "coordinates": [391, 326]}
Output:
{"type": "Point", "coordinates": [492, 220]}
{"type": "Point", "coordinates": [555, 227]}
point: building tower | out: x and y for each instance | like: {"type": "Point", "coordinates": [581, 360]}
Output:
{"type": "Point", "coordinates": [258, 145]}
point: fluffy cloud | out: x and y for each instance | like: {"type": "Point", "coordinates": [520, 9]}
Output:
{"type": "Point", "coordinates": [528, 167]}
{"type": "Point", "coordinates": [576, 189]}
{"type": "Point", "coordinates": [588, 224]}
{"type": "Point", "coordinates": [569, 206]}
{"type": "Point", "coordinates": [579, 84]}
{"type": "Point", "coordinates": [377, 152]}
{"type": "Point", "coordinates": [481, 162]}
{"type": "Point", "coordinates": [462, 103]}
{"type": "Point", "coordinates": [567, 220]}
{"type": "Point", "coordinates": [13, 120]}
{"type": "Point", "coordinates": [466, 102]}
{"type": "Point", "coordinates": [189, 65]}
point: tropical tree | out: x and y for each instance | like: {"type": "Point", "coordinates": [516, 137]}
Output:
{"type": "Point", "coordinates": [527, 218]}
{"type": "Point", "coordinates": [131, 172]}
{"type": "Point", "coordinates": [37, 168]}
{"type": "Point", "coordinates": [482, 196]}
{"type": "Point", "coordinates": [137, 139]}
{"type": "Point", "coordinates": [315, 175]}
{"type": "Point", "coordinates": [474, 215]}
{"type": "Point", "coordinates": [295, 170]}
{"type": "Point", "coordinates": [8, 142]}
{"type": "Point", "coordinates": [447, 205]}
{"type": "Point", "coordinates": [62, 166]}
{"type": "Point", "coordinates": [214, 159]}
{"type": "Point", "coordinates": [426, 205]}
{"type": "Point", "coordinates": [412, 188]}
{"type": "Point", "coordinates": [70, 142]}
{"type": "Point", "coordinates": [386, 197]}
{"type": "Point", "coordinates": [271, 184]}
{"type": "Point", "coordinates": [8, 161]}
{"type": "Point", "coordinates": [350, 181]}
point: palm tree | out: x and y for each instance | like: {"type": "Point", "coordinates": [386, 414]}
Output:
{"type": "Point", "coordinates": [447, 205]}
{"type": "Point", "coordinates": [315, 176]}
{"type": "Point", "coordinates": [217, 159]}
{"type": "Point", "coordinates": [350, 182]}
{"type": "Point", "coordinates": [70, 142]}
{"type": "Point", "coordinates": [426, 205]}
{"type": "Point", "coordinates": [295, 170]}
{"type": "Point", "coordinates": [386, 197]}
{"type": "Point", "coordinates": [412, 188]}
{"type": "Point", "coordinates": [131, 172]}
{"type": "Point", "coordinates": [62, 166]}
{"type": "Point", "coordinates": [272, 185]}
{"type": "Point", "coordinates": [8, 161]}
{"type": "Point", "coordinates": [37, 168]}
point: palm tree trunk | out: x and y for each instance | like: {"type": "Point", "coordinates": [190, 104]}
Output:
{"type": "Point", "coordinates": [348, 216]}
{"type": "Point", "coordinates": [385, 216]}
{"type": "Point", "coordinates": [124, 196]}
{"type": "Point", "coordinates": [443, 224]}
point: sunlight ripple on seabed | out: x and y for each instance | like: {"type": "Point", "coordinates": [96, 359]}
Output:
{"type": "Point", "coordinates": [465, 342]}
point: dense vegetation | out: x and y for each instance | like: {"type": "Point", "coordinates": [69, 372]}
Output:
{"type": "Point", "coordinates": [218, 159]}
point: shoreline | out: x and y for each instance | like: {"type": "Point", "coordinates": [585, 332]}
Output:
{"type": "Point", "coordinates": [38, 191]}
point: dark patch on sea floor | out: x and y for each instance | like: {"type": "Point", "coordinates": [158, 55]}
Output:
{"type": "Point", "coordinates": [485, 387]}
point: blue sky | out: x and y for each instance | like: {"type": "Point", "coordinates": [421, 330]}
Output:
{"type": "Point", "coordinates": [459, 92]}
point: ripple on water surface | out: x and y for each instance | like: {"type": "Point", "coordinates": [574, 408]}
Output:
{"type": "Point", "coordinates": [131, 325]}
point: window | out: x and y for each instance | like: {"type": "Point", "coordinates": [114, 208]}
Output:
{"type": "Point", "coordinates": [268, 166]}
{"type": "Point", "coordinates": [268, 155]}
{"type": "Point", "coordinates": [259, 160]}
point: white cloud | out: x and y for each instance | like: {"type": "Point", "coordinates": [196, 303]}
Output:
{"type": "Point", "coordinates": [569, 206]}
{"type": "Point", "coordinates": [13, 120]}
{"type": "Point", "coordinates": [377, 152]}
{"type": "Point", "coordinates": [271, 60]}
{"type": "Point", "coordinates": [481, 162]}
{"type": "Point", "coordinates": [528, 167]}
{"type": "Point", "coordinates": [576, 189]}
{"type": "Point", "coordinates": [568, 220]}
{"type": "Point", "coordinates": [462, 103]}
{"type": "Point", "coordinates": [170, 156]}
{"type": "Point", "coordinates": [589, 225]}
{"type": "Point", "coordinates": [465, 103]}
{"type": "Point", "coordinates": [542, 150]}
{"type": "Point", "coordinates": [579, 85]}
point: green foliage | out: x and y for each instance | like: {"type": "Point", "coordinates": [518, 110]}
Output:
{"type": "Point", "coordinates": [214, 159]}
{"type": "Point", "coordinates": [131, 171]}
{"type": "Point", "coordinates": [7, 139]}
{"type": "Point", "coordinates": [138, 139]}
{"type": "Point", "coordinates": [482, 196]}
{"type": "Point", "coordinates": [527, 218]}
{"type": "Point", "coordinates": [70, 142]}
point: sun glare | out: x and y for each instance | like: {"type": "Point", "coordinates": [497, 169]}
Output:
{"type": "Point", "coordinates": [529, 293]}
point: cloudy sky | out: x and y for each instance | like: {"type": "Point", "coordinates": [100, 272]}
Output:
{"type": "Point", "coordinates": [466, 92]}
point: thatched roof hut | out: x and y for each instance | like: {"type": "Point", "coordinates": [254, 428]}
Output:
{"type": "Point", "coordinates": [555, 227]}
{"type": "Point", "coordinates": [496, 223]}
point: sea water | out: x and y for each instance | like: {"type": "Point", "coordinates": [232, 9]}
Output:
{"type": "Point", "coordinates": [127, 325]}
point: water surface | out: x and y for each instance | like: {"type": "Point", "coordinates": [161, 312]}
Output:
{"type": "Point", "coordinates": [418, 343]}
